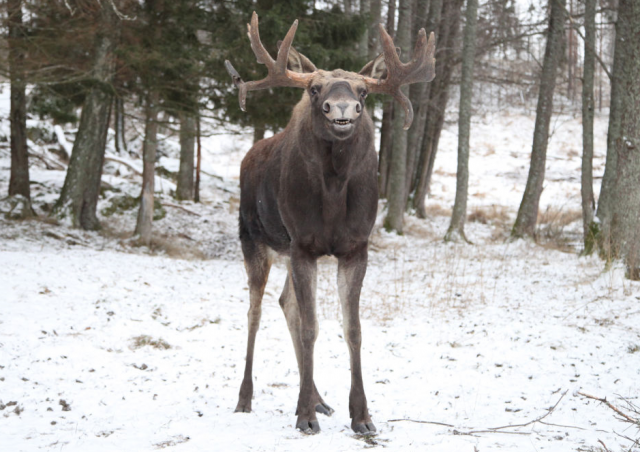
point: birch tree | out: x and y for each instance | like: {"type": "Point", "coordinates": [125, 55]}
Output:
{"type": "Point", "coordinates": [456, 228]}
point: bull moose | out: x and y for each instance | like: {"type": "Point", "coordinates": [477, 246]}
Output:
{"type": "Point", "coordinates": [310, 191]}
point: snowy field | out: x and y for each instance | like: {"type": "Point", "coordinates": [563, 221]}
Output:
{"type": "Point", "coordinates": [108, 347]}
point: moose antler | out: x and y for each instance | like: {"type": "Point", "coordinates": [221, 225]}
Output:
{"type": "Point", "coordinates": [421, 68]}
{"type": "Point", "coordinates": [279, 75]}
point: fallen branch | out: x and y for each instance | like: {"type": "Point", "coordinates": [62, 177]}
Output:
{"type": "Point", "coordinates": [613, 407]}
{"type": "Point", "coordinates": [420, 422]}
{"type": "Point", "coordinates": [123, 162]}
{"type": "Point", "coordinates": [176, 206]}
{"type": "Point", "coordinates": [498, 429]}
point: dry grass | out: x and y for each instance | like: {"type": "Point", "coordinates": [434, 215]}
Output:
{"type": "Point", "coordinates": [552, 224]}
{"type": "Point", "coordinates": [436, 210]}
{"type": "Point", "coordinates": [494, 215]}
{"type": "Point", "coordinates": [144, 340]}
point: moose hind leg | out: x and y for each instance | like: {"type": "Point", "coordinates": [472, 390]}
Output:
{"type": "Point", "coordinates": [351, 271]}
{"type": "Point", "coordinates": [289, 306]}
{"type": "Point", "coordinates": [257, 261]}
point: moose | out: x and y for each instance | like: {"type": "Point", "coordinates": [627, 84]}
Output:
{"type": "Point", "coordinates": [310, 191]}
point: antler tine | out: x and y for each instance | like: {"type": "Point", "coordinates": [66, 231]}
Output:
{"type": "Point", "coordinates": [279, 75]}
{"type": "Point", "coordinates": [421, 68]}
{"type": "Point", "coordinates": [283, 51]}
{"type": "Point", "coordinates": [391, 58]}
{"type": "Point", "coordinates": [253, 31]}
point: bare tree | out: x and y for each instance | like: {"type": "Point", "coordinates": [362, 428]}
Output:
{"type": "Point", "coordinates": [528, 213]}
{"type": "Point", "coordinates": [625, 142]}
{"type": "Point", "coordinates": [184, 189]}
{"type": "Point", "coordinates": [438, 95]}
{"type": "Point", "coordinates": [386, 129]}
{"type": "Point", "coordinates": [145, 214]}
{"type": "Point", "coordinates": [456, 228]}
{"type": "Point", "coordinates": [398, 165]}
{"type": "Point", "coordinates": [588, 201]}
{"type": "Point", "coordinates": [19, 178]}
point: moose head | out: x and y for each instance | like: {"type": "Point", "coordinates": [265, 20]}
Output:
{"type": "Point", "coordinates": [337, 97]}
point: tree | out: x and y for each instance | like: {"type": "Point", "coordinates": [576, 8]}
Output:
{"type": "Point", "coordinates": [386, 129]}
{"type": "Point", "coordinates": [437, 96]}
{"type": "Point", "coordinates": [623, 224]}
{"type": "Point", "coordinates": [145, 214]}
{"type": "Point", "coordinates": [588, 201]}
{"type": "Point", "coordinates": [19, 178]}
{"type": "Point", "coordinates": [185, 188]}
{"type": "Point", "coordinates": [456, 228]}
{"type": "Point", "coordinates": [79, 197]}
{"type": "Point", "coordinates": [398, 165]}
{"type": "Point", "coordinates": [528, 213]}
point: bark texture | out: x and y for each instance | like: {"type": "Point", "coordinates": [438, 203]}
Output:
{"type": "Point", "coordinates": [19, 178]}
{"type": "Point", "coordinates": [459, 215]}
{"type": "Point", "coordinates": [604, 212]}
{"type": "Point", "coordinates": [119, 125]}
{"type": "Point", "coordinates": [185, 189]}
{"type": "Point", "coordinates": [416, 91]}
{"type": "Point", "coordinates": [625, 202]}
{"type": "Point", "coordinates": [79, 197]}
{"type": "Point", "coordinates": [386, 129]}
{"type": "Point", "coordinates": [527, 218]}
{"type": "Point", "coordinates": [437, 96]}
{"type": "Point", "coordinates": [586, 187]}
{"type": "Point", "coordinates": [149, 148]}
{"type": "Point", "coordinates": [398, 164]}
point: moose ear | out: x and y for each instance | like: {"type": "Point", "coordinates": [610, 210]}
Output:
{"type": "Point", "coordinates": [376, 68]}
{"type": "Point", "coordinates": [298, 62]}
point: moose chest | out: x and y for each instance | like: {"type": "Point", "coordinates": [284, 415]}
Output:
{"type": "Point", "coordinates": [322, 214]}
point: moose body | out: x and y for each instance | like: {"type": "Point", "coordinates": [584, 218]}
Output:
{"type": "Point", "coordinates": [311, 191]}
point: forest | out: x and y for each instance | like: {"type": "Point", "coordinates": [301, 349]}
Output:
{"type": "Point", "coordinates": [500, 304]}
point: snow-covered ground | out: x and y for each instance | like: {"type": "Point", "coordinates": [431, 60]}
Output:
{"type": "Point", "coordinates": [105, 346]}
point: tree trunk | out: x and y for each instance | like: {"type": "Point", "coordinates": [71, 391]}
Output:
{"type": "Point", "coordinates": [456, 228]}
{"type": "Point", "coordinates": [79, 197]}
{"type": "Point", "coordinates": [196, 197]}
{"type": "Point", "coordinates": [386, 129]}
{"type": "Point", "coordinates": [438, 94]}
{"type": "Point", "coordinates": [416, 91]}
{"type": "Point", "coordinates": [375, 11]}
{"type": "Point", "coordinates": [184, 189]}
{"type": "Point", "coordinates": [118, 116]}
{"type": "Point", "coordinates": [625, 199]}
{"type": "Point", "coordinates": [19, 178]}
{"type": "Point", "coordinates": [604, 211]}
{"type": "Point", "coordinates": [421, 103]}
{"type": "Point", "coordinates": [363, 46]}
{"type": "Point", "coordinates": [258, 133]}
{"type": "Point", "coordinates": [398, 164]}
{"type": "Point", "coordinates": [527, 218]}
{"type": "Point", "coordinates": [149, 148]}
{"type": "Point", "coordinates": [586, 189]}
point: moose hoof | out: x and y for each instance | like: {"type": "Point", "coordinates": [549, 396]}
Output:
{"type": "Point", "coordinates": [364, 428]}
{"type": "Point", "coordinates": [308, 427]}
{"type": "Point", "coordinates": [243, 407]}
{"type": "Point", "coordinates": [325, 409]}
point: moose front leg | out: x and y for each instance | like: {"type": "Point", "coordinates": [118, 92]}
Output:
{"type": "Point", "coordinates": [304, 276]}
{"type": "Point", "coordinates": [351, 271]}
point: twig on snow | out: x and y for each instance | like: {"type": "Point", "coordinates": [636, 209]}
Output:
{"type": "Point", "coordinates": [176, 206]}
{"type": "Point", "coordinates": [421, 422]}
{"type": "Point", "coordinates": [613, 407]}
{"type": "Point", "coordinates": [604, 445]}
{"type": "Point", "coordinates": [498, 429]}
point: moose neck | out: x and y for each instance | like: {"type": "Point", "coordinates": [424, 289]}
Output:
{"type": "Point", "coordinates": [330, 156]}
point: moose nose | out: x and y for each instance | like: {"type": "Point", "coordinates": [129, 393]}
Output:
{"type": "Point", "coordinates": [341, 109]}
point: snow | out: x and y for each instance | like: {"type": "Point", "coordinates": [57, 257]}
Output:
{"type": "Point", "coordinates": [471, 336]}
